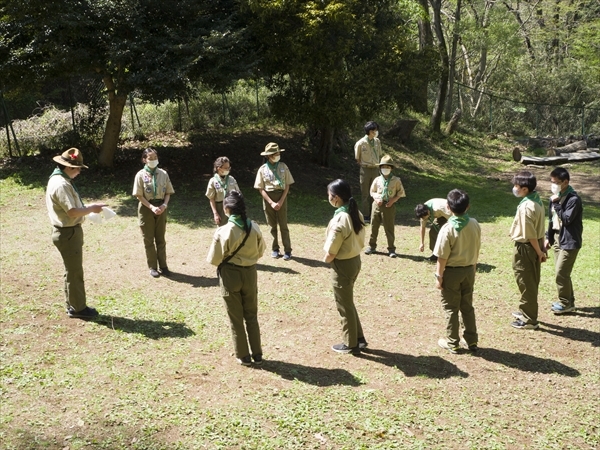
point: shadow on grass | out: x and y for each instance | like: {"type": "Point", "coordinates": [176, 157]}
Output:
{"type": "Point", "coordinates": [417, 258]}
{"type": "Point", "coordinates": [192, 280]}
{"type": "Point", "coordinates": [265, 268]}
{"type": "Point", "coordinates": [310, 262]}
{"type": "Point", "coordinates": [317, 376]}
{"type": "Point", "coordinates": [592, 311]}
{"type": "Point", "coordinates": [484, 268]}
{"type": "Point", "coordinates": [575, 334]}
{"type": "Point", "coordinates": [526, 363]}
{"type": "Point", "coordinates": [415, 366]}
{"type": "Point", "coordinates": [152, 329]}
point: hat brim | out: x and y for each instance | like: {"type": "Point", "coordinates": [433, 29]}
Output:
{"type": "Point", "coordinates": [272, 153]}
{"type": "Point", "coordinates": [387, 164]}
{"type": "Point", "coordinates": [63, 162]}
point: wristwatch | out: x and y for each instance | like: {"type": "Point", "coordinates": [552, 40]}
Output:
{"type": "Point", "coordinates": [437, 277]}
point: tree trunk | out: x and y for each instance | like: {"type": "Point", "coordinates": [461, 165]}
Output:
{"type": "Point", "coordinates": [325, 144]}
{"type": "Point", "coordinates": [452, 69]}
{"type": "Point", "coordinates": [419, 102]}
{"type": "Point", "coordinates": [110, 140]}
{"type": "Point", "coordinates": [453, 124]}
{"type": "Point", "coordinates": [438, 109]}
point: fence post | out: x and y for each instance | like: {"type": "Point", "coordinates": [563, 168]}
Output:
{"type": "Point", "coordinates": [257, 104]}
{"type": "Point", "coordinates": [9, 125]}
{"type": "Point", "coordinates": [583, 120]}
{"type": "Point", "coordinates": [71, 106]}
{"type": "Point", "coordinates": [131, 113]}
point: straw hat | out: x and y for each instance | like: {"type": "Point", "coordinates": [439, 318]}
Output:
{"type": "Point", "coordinates": [271, 148]}
{"type": "Point", "coordinates": [387, 160]}
{"type": "Point", "coordinates": [70, 158]}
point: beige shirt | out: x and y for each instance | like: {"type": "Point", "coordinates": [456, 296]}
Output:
{"type": "Point", "coordinates": [528, 223]}
{"type": "Point", "coordinates": [215, 188]}
{"type": "Point", "coordinates": [228, 238]}
{"type": "Point", "coordinates": [367, 155]}
{"type": "Point", "coordinates": [460, 248]}
{"type": "Point", "coordinates": [439, 207]}
{"type": "Point", "coordinates": [60, 198]}
{"type": "Point", "coordinates": [341, 240]}
{"type": "Point", "coordinates": [394, 188]}
{"type": "Point", "coordinates": [266, 179]}
{"type": "Point", "coordinates": [143, 185]}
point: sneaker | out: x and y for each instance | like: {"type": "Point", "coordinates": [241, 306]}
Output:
{"type": "Point", "coordinates": [362, 343]}
{"type": "Point", "coordinates": [393, 255]}
{"type": "Point", "coordinates": [85, 313]}
{"type": "Point", "coordinates": [367, 219]}
{"type": "Point", "coordinates": [258, 359]}
{"type": "Point", "coordinates": [560, 309]}
{"type": "Point", "coordinates": [275, 254]}
{"type": "Point", "coordinates": [287, 256]}
{"type": "Point", "coordinates": [518, 315]}
{"type": "Point", "coordinates": [165, 271]}
{"type": "Point", "coordinates": [154, 273]}
{"type": "Point", "coordinates": [245, 361]}
{"type": "Point", "coordinates": [473, 347]}
{"type": "Point", "coordinates": [519, 324]}
{"type": "Point", "coordinates": [432, 258]}
{"type": "Point", "coordinates": [451, 348]}
{"type": "Point", "coordinates": [343, 348]}
{"type": "Point", "coordinates": [369, 250]}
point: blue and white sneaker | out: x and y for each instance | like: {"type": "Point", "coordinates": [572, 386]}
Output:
{"type": "Point", "coordinates": [557, 308]}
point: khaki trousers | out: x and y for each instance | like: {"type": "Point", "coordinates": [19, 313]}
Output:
{"type": "Point", "coordinates": [367, 176]}
{"type": "Point", "coordinates": [457, 296]}
{"type": "Point", "coordinates": [221, 213]}
{"type": "Point", "coordinates": [564, 260]}
{"type": "Point", "coordinates": [278, 218]}
{"type": "Point", "coordinates": [153, 231]}
{"type": "Point", "coordinates": [343, 276]}
{"type": "Point", "coordinates": [69, 242]}
{"type": "Point", "coordinates": [382, 214]}
{"type": "Point", "coordinates": [240, 293]}
{"type": "Point", "coordinates": [527, 270]}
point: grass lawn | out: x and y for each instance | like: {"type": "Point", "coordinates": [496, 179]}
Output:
{"type": "Point", "coordinates": [157, 370]}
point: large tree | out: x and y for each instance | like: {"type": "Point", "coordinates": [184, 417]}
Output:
{"type": "Point", "coordinates": [151, 46]}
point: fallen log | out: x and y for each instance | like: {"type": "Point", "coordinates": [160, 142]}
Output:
{"type": "Point", "coordinates": [570, 148]}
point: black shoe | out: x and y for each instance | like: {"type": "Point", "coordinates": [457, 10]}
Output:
{"type": "Point", "coordinates": [343, 348]}
{"type": "Point", "coordinates": [367, 219]}
{"type": "Point", "coordinates": [432, 258]}
{"type": "Point", "coordinates": [85, 313]}
{"type": "Point", "coordinates": [258, 359]}
{"type": "Point", "coordinates": [154, 273]}
{"type": "Point", "coordinates": [165, 271]}
{"type": "Point", "coordinates": [362, 343]}
{"type": "Point", "coordinates": [245, 361]}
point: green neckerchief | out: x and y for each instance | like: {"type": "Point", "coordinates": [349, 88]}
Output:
{"type": "Point", "coordinates": [237, 219]}
{"type": "Point", "coordinates": [534, 197]}
{"type": "Point", "coordinates": [568, 190]}
{"type": "Point", "coordinates": [431, 219]}
{"type": "Point", "coordinates": [225, 183]}
{"type": "Point", "coordinates": [459, 222]}
{"type": "Point", "coordinates": [385, 195]}
{"type": "Point", "coordinates": [343, 208]}
{"type": "Point", "coordinates": [274, 170]}
{"type": "Point", "coordinates": [153, 173]}
{"type": "Point", "coordinates": [59, 172]}
{"type": "Point", "coordinates": [371, 143]}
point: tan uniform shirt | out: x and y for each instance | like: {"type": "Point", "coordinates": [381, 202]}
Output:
{"type": "Point", "coordinates": [460, 248]}
{"type": "Point", "coordinates": [143, 185]}
{"type": "Point", "coordinates": [60, 198]}
{"type": "Point", "coordinates": [394, 188]}
{"type": "Point", "coordinates": [266, 179]}
{"type": "Point", "coordinates": [439, 207]}
{"type": "Point", "coordinates": [228, 238]}
{"type": "Point", "coordinates": [367, 155]}
{"type": "Point", "coordinates": [341, 240]}
{"type": "Point", "coordinates": [216, 188]}
{"type": "Point", "coordinates": [528, 223]}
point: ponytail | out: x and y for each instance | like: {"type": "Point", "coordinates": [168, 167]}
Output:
{"type": "Point", "coordinates": [357, 224]}
{"type": "Point", "coordinates": [234, 202]}
{"type": "Point", "coordinates": [342, 189]}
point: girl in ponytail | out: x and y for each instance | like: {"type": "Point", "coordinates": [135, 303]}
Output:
{"type": "Point", "coordinates": [344, 242]}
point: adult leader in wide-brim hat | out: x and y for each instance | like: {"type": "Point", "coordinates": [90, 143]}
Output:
{"type": "Point", "coordinates": [271, 148]}
{"type": "Point", "coordinates": [70, 158]}
{"type": "Point", "coordinates": [386, 160]}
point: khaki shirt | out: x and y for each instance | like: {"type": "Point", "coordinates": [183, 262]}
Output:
{"type": "Point", "coordinates": [60, 198]}
{"type": "Point", "coordinates": [367, 155]}
{"type": "Point", "coordinates": [266, 180]}
{"type": "Point", "coordinates": [394, 188]}
{"type": "Point", "coordinates": [459, 248]}
{"type": "Point", "coordinates": [143, 185]}
{"type": "Point", "coordinates": [528, 223]}
{"type": "Point", "coordinates": [228, 238]}
{"type": "Point", "coordinates": [439, 206]}
{"type": "Point", "coordinates": [215, 188]}
{"type": "Point", "coordinates": [341, 240]}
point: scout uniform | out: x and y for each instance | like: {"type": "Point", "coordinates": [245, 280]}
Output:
{"type": "Point", "coordinates": [217, 189]}
{"type": "Point", "coordinates": [459, 243]}
{"type": "Point", "coordinates": [368, 153]}
{"type": "Point", "coordinates": [438, 216]}
{"type": "Point", "coordinates": [153, 185]}
{"type": "Point", "coordinates": [274, 179]}
{"type": "Point", "coordinates": [566, 219]}
{"type": "Point", "coordinates": [528, 224]}
{"type": "Point", "coordinates": [383, 189]}
{"type": "Point", "coordinates": [342, 241]}
{"type": "Point", "coordinates": [238, 281]}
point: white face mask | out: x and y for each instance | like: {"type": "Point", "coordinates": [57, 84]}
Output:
{"type": "Point", "coordinates": [275, 158]}
{"type": "Point", "coordinates": [515, 192]}
{"type": "Point", "coordinates": [555, 188]}
{"type": "Point", "coordinates": [376, 133]}
{"type": "Point", "coordinates": [152, 163]}
{"type": "Point", "coordinates": [386, 172]}
{"type": "Point", "coordinates": [224, 173]}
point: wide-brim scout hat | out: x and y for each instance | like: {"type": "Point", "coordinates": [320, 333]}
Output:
{"type": "Point", "coordinates": [70, 158]}
{"type": "Point", "coordinates": [387, 160]}
{"type": "Point", "coordinates": [271, 148]}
